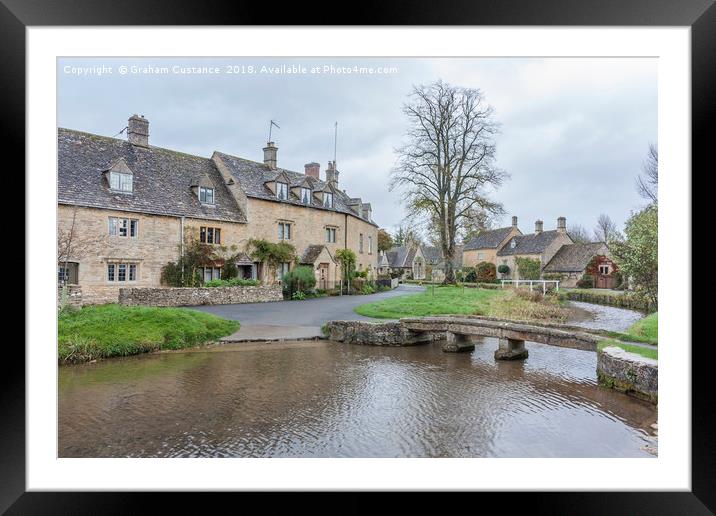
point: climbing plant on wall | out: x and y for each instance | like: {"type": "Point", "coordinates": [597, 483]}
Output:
{"type": "Point", "coordinates": [528, 268]}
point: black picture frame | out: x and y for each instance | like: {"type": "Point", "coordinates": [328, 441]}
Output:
{"type": "Point", "coordinates": [16, 15]}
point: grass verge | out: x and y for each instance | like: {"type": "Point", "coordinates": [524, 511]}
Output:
{"type": "Point", "coordinates": [646, 328]}
{"type": "Point", "coordinates": [638, 350]}
{"type": "Point", "coordinates": [468, 301]}
{"type": "Point", "coordinates": [104, 331]}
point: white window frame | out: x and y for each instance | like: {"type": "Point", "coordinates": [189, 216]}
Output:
{"type": "Point", "coordinates": [327, 200]}
{"type": "Point", "coordinates": [117, 224]}
{"type": "Point", "coordinates": [284, 230]}
{"type": "Point", "coordinates": [281, 191]}
{"type": "Point", "coordinates": [121, 182]}
{"type": "Point", "coordinates": [204, 192]}
{"type": "Point", "coordinates": [305, 195]}
{"type": "Point", "coordinates": [131, 272]}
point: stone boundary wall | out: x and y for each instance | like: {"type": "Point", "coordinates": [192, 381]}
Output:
{"type": "Point", "coordinates": [391, 333]}
{"type": "Point", "coordinates": [192, 296]}
{"type": "Point", "coordinates": [74, 296]}
{"type": "Point", "coordinates": [627, 372]}
{"type": "Point", "coordinates": [617, 300]}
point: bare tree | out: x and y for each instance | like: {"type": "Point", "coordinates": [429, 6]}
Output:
{"type": "Point", "coordinates": [647, 183]}
{"type": "Point", "coordinates": [606, 230]}
{"type": "Point", "coordinates": [578, 234]}
{"type": "Point", "coordinates": [73, 246]}
{"type": "Point", "coordinates": [475, 221]}
{"type": "Point", "coordinates": [447, 166]}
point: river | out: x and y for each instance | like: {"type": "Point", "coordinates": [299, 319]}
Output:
{"type": "Point", "coordinates": [324, 399]}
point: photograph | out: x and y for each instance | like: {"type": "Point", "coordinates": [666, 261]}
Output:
{"type": "Point", "coordinates": [357, 257]}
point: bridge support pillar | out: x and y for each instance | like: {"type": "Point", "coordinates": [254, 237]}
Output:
{"type": "Point", "coordinates": [511, 349]}
{"type": "Point", "coordinates": [455, 343]}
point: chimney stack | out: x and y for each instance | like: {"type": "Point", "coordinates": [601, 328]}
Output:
{"type": "Point", "coordinates": [270, 155]}
{"type": "Point", "coordinates": [514, 221]}
{"type": "Point", "coordinates": [562, 224]}
{"type": "Point", "coordinates": [332, 174]}
{"type": "Point", "coordinates": [313, 169]}
{"type": "Point", "coordinates": [138, 131]}
{"type": "Point", "coordinates": [538, 227]}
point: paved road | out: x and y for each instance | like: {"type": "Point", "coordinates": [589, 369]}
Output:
{"type": "Point", "coordinates": [283, 320]}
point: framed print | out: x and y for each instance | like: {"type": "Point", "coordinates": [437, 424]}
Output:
{"type": "Point", "coordinates": [423, 252]}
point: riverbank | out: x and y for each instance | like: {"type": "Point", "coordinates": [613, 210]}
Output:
{"type": "Point", "coordinates": [444, 300]}
{"type": "Point", "coordinates": [104, 331]}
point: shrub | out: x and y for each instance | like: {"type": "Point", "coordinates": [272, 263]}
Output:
{"type": "Point", "coordinates": [469, 275]}
{"type": "Point", "coordinates": [300, 279]}
{"type": "Point", "coordinates": [503, 269]}
{"type": "Point", "coordinates": [529, 295]}
{"type": "Point", "coordinates": [367, 289]}
{"type": "Point", "coordinates": [358, 284]}
{"type": "Point", "coordinates": [586, 281]}
{"type": "Point", "coordinates": [298, 296]}
{"type": "Point", "coordinates": [485, 271]}
{"type": "Point", "coordinates": [229, 271]}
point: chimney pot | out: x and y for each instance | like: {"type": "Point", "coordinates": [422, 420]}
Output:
{"type": "Point", "coordinates": [514, 221]}
{"type": "Point", "coordinates": [270, 152]}
{"type": "Point", "coordinates": [138, 131]}
{"type": "Point", "coordinates": [332, 174]}
{"type": "Point", "coordinates": [538, 227]}
{"type": "Point", "coordinates": [313, 169]}
{"type": "Point", "coordinates": [562, 224]}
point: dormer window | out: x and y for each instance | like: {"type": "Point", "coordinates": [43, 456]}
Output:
{"type": "Point", "coordinates": [120, 181]}
{"type": "Point", "coordinates": [206, 195]}
{"type": "Point", "coordinates": [305, 195]}
{"type": "Point", "coordinates": [513, 243]}
{"type": "Point", "coordinates": [327, 199]}
{"type": "Point", "coordinates": [282, 191]}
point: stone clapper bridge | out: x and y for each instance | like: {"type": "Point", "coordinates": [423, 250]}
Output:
{"type": "Point", "coordinates": [460, 333]}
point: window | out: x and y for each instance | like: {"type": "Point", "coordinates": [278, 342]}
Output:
{"type": "Point", "coordinates": [121, 272]}
{"type": "Point", "coordinates": [120, 181]}
{"type": "Point", "coordinates": [327, 200]}
{"type": "Point", "coordinates": [284, 231]}
{"type": "Point", "coordinates": [206, 195]}
{"type": "Point", "coordinates": [370, 245]}
{"type": "Point", "coordinates": [480, 256]}
{"type": "Point", "coordinates": [331, 235]}
{"type": "Point", "coordinates": [284, 268]}
{"type": "Point", "coordinates": [604, 269]}
{"type": "Point", "coordinates": [282, 190]}
{"type": "Point", "coordinates": [209, 235]}
{"type": "Point", "coordinates": [360, 243]}
{"type": "Point", "coordinates": [123, 227]}
{"type": "Point", "coordinates": [305, 195]}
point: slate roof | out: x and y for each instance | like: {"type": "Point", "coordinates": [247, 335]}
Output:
{"type": "Point", "coordinates": [162, 178]}
{"type": "Point", "coordinates": [534, 243]}
{"type": "Point", "coordinates": [311, 253]}
{"type": "Point", "coordinates": [397, 256]}
{"type": "Point", "coordinates": [252, 176]}
{"type": "Point", "coordinates": [488, 239]}
{"type": "Point", "coordinates": [575, 257]}
{"type": "Point", "coordinates": [434, 256]}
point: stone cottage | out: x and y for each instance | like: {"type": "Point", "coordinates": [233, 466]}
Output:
{"type": "Point", "coordinates": [127, 208]}
{"type": "Point", "coordinates": [540, 245]}
{"type": "Point", "coordinates": [484, 246]}
{"type": "Point", "coordinates": [407, 261]}
{"type": "Point", "coordinates": [435, 264]}
{"type": "Point", "coordinates": [573, 261]}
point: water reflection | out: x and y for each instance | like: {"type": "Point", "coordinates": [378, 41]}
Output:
{"type": "Point", "coordinates": [322, 399]}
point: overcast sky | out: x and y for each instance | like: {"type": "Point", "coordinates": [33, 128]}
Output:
{"type": "Point", "coordinates": [574, 132]}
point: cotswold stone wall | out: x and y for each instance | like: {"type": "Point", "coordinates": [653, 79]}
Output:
{"type": "Point", "coordinates": [391, 333]}
{"type": "Point", "coordinates": [629, 373]}
{"type": "Point", "coordinates": [624, 300]}
{"type": "Point", "coordinates": [74, 296]}
{"type": "Point", "coordinates": [188, 296]}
